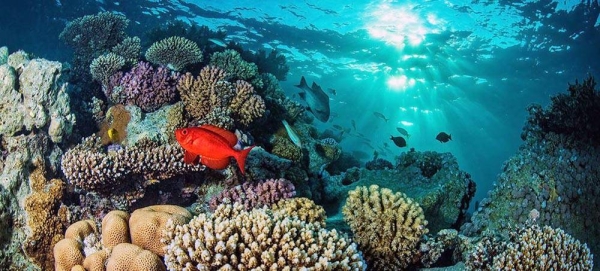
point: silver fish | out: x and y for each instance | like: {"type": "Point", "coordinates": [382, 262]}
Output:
{"type": "Point", "coordinates": [293, 136]}
{"type": "Point", "coordinates": [316, 98]}
{"type": "Point", "coordinates": [403, 132]}
{"type": "Point", "coordinates": [381, 116]}
{"type": "Point", "coordinates": [218, 42]}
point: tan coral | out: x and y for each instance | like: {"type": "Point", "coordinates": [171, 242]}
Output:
{"type": "Point", "coordinates": [303, 208]}
{"type": "Point", "coordinates": [115, 228]}
{"type": "Point", "coordinates": [146, 225]}
{"type": "Point", "coordinates": [81, 229]}
{"type": "Point", "coordinates": [46, 217]}
{"type": "Point", "coordinates": [387, 226]}
{"type": "Point", "coordinates": [67, 254]}
{"type": "Point", "coordinates": [78, 268]}
{"type": "Point", "coordinates": [246, 104]}
{"type": "Point", "coordinates": [129, 257]}
{"type": "Point", "coordinates": [96, 261]}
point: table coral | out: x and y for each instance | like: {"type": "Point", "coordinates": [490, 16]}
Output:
{"type": "Point", "coordinates": [234, 239]}
{"type": "Point", "coordinates": [174, 52]}
{"type": "Point", "coordinates": [387, 226]}
{"type": "Point", "coordinates": [104, 66]}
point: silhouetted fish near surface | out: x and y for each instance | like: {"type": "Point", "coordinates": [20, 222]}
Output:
{"type": "Point", "coordinates": [381, 116]}
{"type": "Point", "coordinates": [332, 91]}
{"type": "Point", "coordinates": [316, 98]}
{"type": "Point", "coordinates": [403, 132]}
{"type": "Point", "coordinates": [399, 141]}
{"type": "Point", "coordinates": [443, 137]}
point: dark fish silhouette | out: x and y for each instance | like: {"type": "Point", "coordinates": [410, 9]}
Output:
{"type": "Point", "coordinates": [399, 141]}
{"type": "Point", "coordinates": [443, 137]}
{"type": "Point", "coordinates": [316, 98]}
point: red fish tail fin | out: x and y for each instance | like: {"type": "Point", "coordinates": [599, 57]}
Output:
{"type": "Point", "coordinates": [240, 158]}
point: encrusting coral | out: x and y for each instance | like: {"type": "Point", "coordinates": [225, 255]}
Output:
{"type": "Point", "coordinates": [210, 92]}
{"type": "Point", "coordinates": [174, 52]}
{"type": "Point", "coordinates": [46, 217]}
{"type": "Point", "coordinates": [234, 239]}
{"type": "Point", "coordinates": [387, 226]}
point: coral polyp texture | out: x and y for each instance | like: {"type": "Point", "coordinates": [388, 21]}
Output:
{"type": "Point", "coordinates": [234, 239]}
{"type": "Point", "coordinates": [209, 98]}
{"type": "Point", "coordinates": [387, 226]}
{"type": "Point", "coordinates": [144, 86]}
{"type": "Point", "coordinates": [555, 171]}
{"type": "Point", "coordinates": [255, 194]}
{"type": "Point", "coordinates": [174, 52]}
{"type": "Point", "coordinates": [89, 167]}
{"type": "Point", "coordinates": [531, 248]}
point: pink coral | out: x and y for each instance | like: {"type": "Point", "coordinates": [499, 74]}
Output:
{"type": "Point", "coordinates": [255, 194]}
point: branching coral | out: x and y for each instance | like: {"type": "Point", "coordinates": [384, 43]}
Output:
{"type": "Point", "coordinates": [89, 167]}
{"type": "Point", "coordinates": [387, 226]}
{"type": "Point", "coordinates": [174, 52]}
{"type": "Point", "coordinates": [104, 66]}
{"type": "Point", "coordinates": [129, 49]}
{"type": "Point", "coordinates": [143, 86]}
{"type": "Point", "coordinates": [255, 194]}
{"type": "Point", "coordinates": [545, 248]}
{"type": "Point", "coordinates": [235, 66]}
{"type": "Point", "coordinates": [235, 239]}
{"type": "Point", "coordinates": [210, 93]}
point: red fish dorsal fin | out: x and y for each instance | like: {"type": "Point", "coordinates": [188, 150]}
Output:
{"type": "Point", "coordinates": [227, 135]}
{"type": "Point", "coordinates": [215, 163]}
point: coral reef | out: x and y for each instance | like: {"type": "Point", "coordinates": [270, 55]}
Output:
{"type": "Point", "coordinates": [233, 238]}
{"type": "Point", "coordinates": [236, 68]}
{"type": "Point", "coordinates": [129, 49]}
{"type": "Point", "coordinates": [255, 194]}
{"type": "Point", "coordinates": [35, 99]}
{"type": "Point", "coordinates": [555, 172]}
{"type": "Point", "coordinates": [3, 55]}
{"type": "Point", "coordinates": [531, 248]}
{"type": "Point", "coordinates": [146, 225]}
{"type": "Point", "coordinates": [46, 217]}
{"type": "Point", "coordinates": [303, 208]}
{"type": "Point", "coordinates": [174, 52]}
{"type": "Point", "coordinates": [91, 36]}
{"type": "Point", "coordinates": [143, 86]}
{"type": "Point", "coordinates": [88, 166]}
{"type": "Point", "coordinates": [104, 66]}
{"type": "Point", "coordinates": [387, 226]}
{"type": "Point", "coordinates": [209, 92]}
{"type": "Point", "coordinates": [444, 196]}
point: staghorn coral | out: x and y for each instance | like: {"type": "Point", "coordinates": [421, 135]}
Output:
{"type": "Point", "coordinates": [545, 248]}
{"type": "Point", "coordinates": [104, 66]}
{"type": "Point", "coordinates": [235, 239]}
{"type": "Point", "coordinates": [209, 97]}
{"type": "Point", "coordinates": [174, 52]}
{"type": "Point", "coordinates": [46, 217]}
{"type": "Point", "coordinates": [143, 86]}
{"type": "Point", "coordinates": [387, 226]}
{"type": "Point", "coordinates": [89, 167]}
{"type": "Point", "coordinates": [255, 194]}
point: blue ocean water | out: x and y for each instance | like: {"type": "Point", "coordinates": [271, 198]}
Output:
{"type": "Point", "coordinates": [467, 68]}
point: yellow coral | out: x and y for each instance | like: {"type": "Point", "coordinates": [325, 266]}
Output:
{"type": "Point", "coordinates": [387, 226]}
{"type": "Point", "coordinates": [46, 217]}
{"type": "Point", "coordinates": [303, 208]}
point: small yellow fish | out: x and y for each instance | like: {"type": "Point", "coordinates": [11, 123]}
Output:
{"type": "Point", "coordinates": [113, 135]}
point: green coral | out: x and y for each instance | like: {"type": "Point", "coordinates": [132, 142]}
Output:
{"type": "Point", "coordinates": [174, 52]}
{"type": "Point", "coordinates": [104, 66]}
{"type": "Point", "coordinates": [236, 68]}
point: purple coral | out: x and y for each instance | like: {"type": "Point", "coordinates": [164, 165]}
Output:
{"type": "Point", "coordinates": [255, 194]}
{"type": "Point", "coordinates": [143, 86]}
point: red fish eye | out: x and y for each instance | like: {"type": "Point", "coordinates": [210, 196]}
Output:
{"type": "Point", "coordinates": [184, 132]}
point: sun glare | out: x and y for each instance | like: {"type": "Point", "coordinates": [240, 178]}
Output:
{"type": "Point", "coordinates": [398, 25]}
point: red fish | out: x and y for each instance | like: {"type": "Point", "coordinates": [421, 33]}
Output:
{"type": "Point", "coordinates": [212, 144]}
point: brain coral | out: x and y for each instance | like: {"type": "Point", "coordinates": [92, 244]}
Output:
{"type": "Point", "coordinates": [387, 226]}
{"type": "Point", "coordinates": [174, 52]}
{"type": "Point", "coordinates": [147, 224]}
{"type": "Point", "coordinates": [235, 239]}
